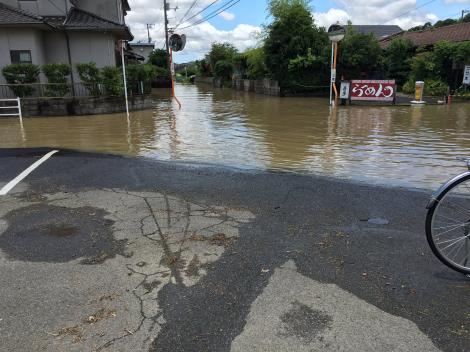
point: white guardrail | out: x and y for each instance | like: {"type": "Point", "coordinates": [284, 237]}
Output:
{"type": "Point", "coordinates": [11, 107]}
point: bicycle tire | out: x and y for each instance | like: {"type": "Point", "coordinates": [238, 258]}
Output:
{"type": "Point", "coordinates": [429, 226]}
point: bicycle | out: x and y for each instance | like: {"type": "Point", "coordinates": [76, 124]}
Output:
{"type": "Point", "coordinates": [448, 222]}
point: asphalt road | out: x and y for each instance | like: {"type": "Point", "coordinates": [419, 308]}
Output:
{"type": "Point", "coordinates": [105, 253]}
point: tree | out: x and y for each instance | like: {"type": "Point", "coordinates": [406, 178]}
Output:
{"type": "Point", "coordinates": [290, 36]}
{"type": "Point", "coordinates": [398, 59]}
{"type": "Point", "coordinates": [446, 22]}
{"type": "Point", "coordinates": [223, 69]}
{"type": "Point", "coordinates": [221, 52]}
{"type": "Point", "coordinates": [466, 18]}
{"type": "Point", "coordinates": [256, 63]}
{"type": "Point", "coordinates": [359, 55]}
{"type": "Point", "coordinates": [158, 58]}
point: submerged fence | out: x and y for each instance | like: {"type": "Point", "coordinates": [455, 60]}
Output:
{"type": "Point", "coordinates": [67, 90]}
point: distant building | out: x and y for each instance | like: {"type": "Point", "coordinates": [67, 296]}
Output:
{"type": "Point", "coordinates": [142, 49]}
{"type": "Point", "coordinates": [62, 31]}
{"type": "Point", "coordinates": [379, 31]}
{"type": "Point", "coordinates": [454, 33]}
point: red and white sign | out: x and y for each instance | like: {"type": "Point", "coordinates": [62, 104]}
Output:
{"type": "Point", "coordinates": [373, 90]}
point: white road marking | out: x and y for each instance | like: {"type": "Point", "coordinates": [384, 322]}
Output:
{"type": "Point", "coordinates": [10, 185]}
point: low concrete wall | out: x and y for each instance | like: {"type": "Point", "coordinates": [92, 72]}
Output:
{"type": "Point", "coordinates": [204, 80]}
{"type": "Point", "coordinates": [83, 106]}
{"type": "Point", "coordinates": [262, 86]}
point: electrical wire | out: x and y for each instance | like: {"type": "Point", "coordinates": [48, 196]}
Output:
{"type": "Point", "coordinates": [213, 14]}
{"type": "Point", "coordinates": [187, 12]}
{"type": "Point", "coordinates": [204, 9]}
{"type": "Point", "coordinates": [412, 10]}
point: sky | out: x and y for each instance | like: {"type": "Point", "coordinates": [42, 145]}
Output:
{"type": "Point", "coordinates": [242, 23]}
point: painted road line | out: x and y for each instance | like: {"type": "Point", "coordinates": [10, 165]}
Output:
{"type": "Point", "coordinates": [10, 185]}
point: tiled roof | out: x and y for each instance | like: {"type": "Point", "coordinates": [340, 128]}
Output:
{"type": "Point", "coordinates": [454, 33]}
{"type": "Point", "coordinates": [379, 31]}
{"type": "Point", "coordinates": [75, 20]}
{"type": "Point", "coordinates": [10, 15]}
{"type": "Point", "coordinates": [81, 20]}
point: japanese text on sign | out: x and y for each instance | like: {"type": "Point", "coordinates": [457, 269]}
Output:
{"type": "Point", "coordinates": [466, 75]}
{"type": "Point", "coordinates": [373, 90]}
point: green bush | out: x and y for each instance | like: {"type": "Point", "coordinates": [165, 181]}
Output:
{"type": "Point", "coordinates": [112, 80]}
{"type": "Point", "coordinates": [90, 76]}
{"type": "Point", "coordinates": [21, 74]}
{"type": "Point", "coordinates": [256, 63]}
{"type": "Point", "coordinates": [432, 87]}
{"type": "Point", "coordinates": [409, 87]}
{"type": "Point", "coordinates": [223, 69]}
{"type": "Point", "coordinates": [435, 87]}
{"type": "Point", "coordinates": [56, 75]}
{"type": "Point", "coordinates": [140, 73]}
{"type": "Point", "coordinates": [161, 72]}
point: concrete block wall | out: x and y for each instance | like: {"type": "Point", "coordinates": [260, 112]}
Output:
{"type": "Point", "coordinates": [262, 86]}
{"type": "Point", "coordinates": [83, 106]}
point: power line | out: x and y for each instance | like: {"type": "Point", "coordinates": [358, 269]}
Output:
{"type": "Point", "coordinates": [412, 10]}
{"type": "Point", "coordinates": [204, 9]}
{"type": "Point", "coordinates": [217, 12]}
{"type": "Point", "coordinates": [187, 12]}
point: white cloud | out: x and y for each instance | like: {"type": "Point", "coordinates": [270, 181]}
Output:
{"type": "Point", "coordinates": [326, 19]}
{"type": "Point", "coordinates": [399, 12]}
{"type": "Point", "coordinates": [199, 38]}
{"type": "Point", "coordinates": [228, 16]}
{"type": "Point", "coordinates": [457, 1]}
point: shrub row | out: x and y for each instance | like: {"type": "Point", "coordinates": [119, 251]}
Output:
{"type": "Point", "coordinates": [107, 80]}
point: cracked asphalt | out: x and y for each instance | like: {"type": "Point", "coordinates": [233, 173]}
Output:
{"type": "Point", "coordinates": [105, 253]}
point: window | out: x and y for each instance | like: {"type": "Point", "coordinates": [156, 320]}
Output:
{"type": "Point", "coordinates": [21, 57]}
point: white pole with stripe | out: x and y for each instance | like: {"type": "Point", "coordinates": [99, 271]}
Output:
{"type": "Point", "coordinates": [124, 77]}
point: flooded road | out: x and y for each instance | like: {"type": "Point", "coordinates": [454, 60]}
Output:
{"type": "Point", "coordinates": [408, 146]}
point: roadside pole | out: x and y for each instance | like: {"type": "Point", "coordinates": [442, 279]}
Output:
{"type": "Point", "coordinates": [124, 78]}
{"type": "Point", "coordinates": [167, 45]}
{"type": "Point", "coordinates": [331, 75]}
{"type": "Point", "coordinates": [336, 33]}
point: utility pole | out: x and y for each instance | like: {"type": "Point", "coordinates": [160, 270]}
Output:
{"type": "Point", "coordinates": [463, 14]}
{"type": "Point", "coordinates": [166, 8]}
{"type": "Point", "coordinates": [149, 26]}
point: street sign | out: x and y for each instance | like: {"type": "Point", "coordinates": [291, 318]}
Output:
{"type": "Point", "coordinates": [466, 75]}
{"type": "Point", "coordinates": [373, 90]}
{"type": "Point", "coordinates": [333, 75]}
{"type": "Point", "coordinates": [344, 90]}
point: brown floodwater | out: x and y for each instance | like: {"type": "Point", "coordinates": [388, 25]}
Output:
{"type": "Point", "coordinates": [402, 145]}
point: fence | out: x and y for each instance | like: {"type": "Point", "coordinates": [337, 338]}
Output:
{"type": "Point", "coordinates": [11, 110]}
{"type": "Point", "coordinates": [67, 90]}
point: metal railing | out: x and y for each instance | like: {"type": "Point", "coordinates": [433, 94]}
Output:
{"type": "Point", "coordinates": [15, 109]}
{"type": "Point", "coordinates": [67, 90]}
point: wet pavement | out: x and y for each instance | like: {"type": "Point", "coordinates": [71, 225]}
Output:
{"type": "Point", "coordinates": [106, 253]}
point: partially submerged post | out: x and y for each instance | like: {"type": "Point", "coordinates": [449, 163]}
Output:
{"type": "Point", "coordinates": [122, 42]}
{"type": "Point", "coordinates": [336, 33]}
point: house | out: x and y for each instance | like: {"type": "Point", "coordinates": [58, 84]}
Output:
{"type": "Point", "coordinates": [142, 49]}
{"type": "Point", "coordinates": [379, 31]}
{"type": "Point", "coordinates": [459, 32]}
{"type": "Point", "coordinates": [62, 31]}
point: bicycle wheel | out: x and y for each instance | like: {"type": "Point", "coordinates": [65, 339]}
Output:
{"type": "Point", "coordinates": [448, 225]}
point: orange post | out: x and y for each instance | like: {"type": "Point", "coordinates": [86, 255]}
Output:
{"type": "Point", "coordinates": [172, 79]}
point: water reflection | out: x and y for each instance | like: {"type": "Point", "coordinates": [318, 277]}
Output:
{"type": "Point", "coordinates": [412, 146]}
